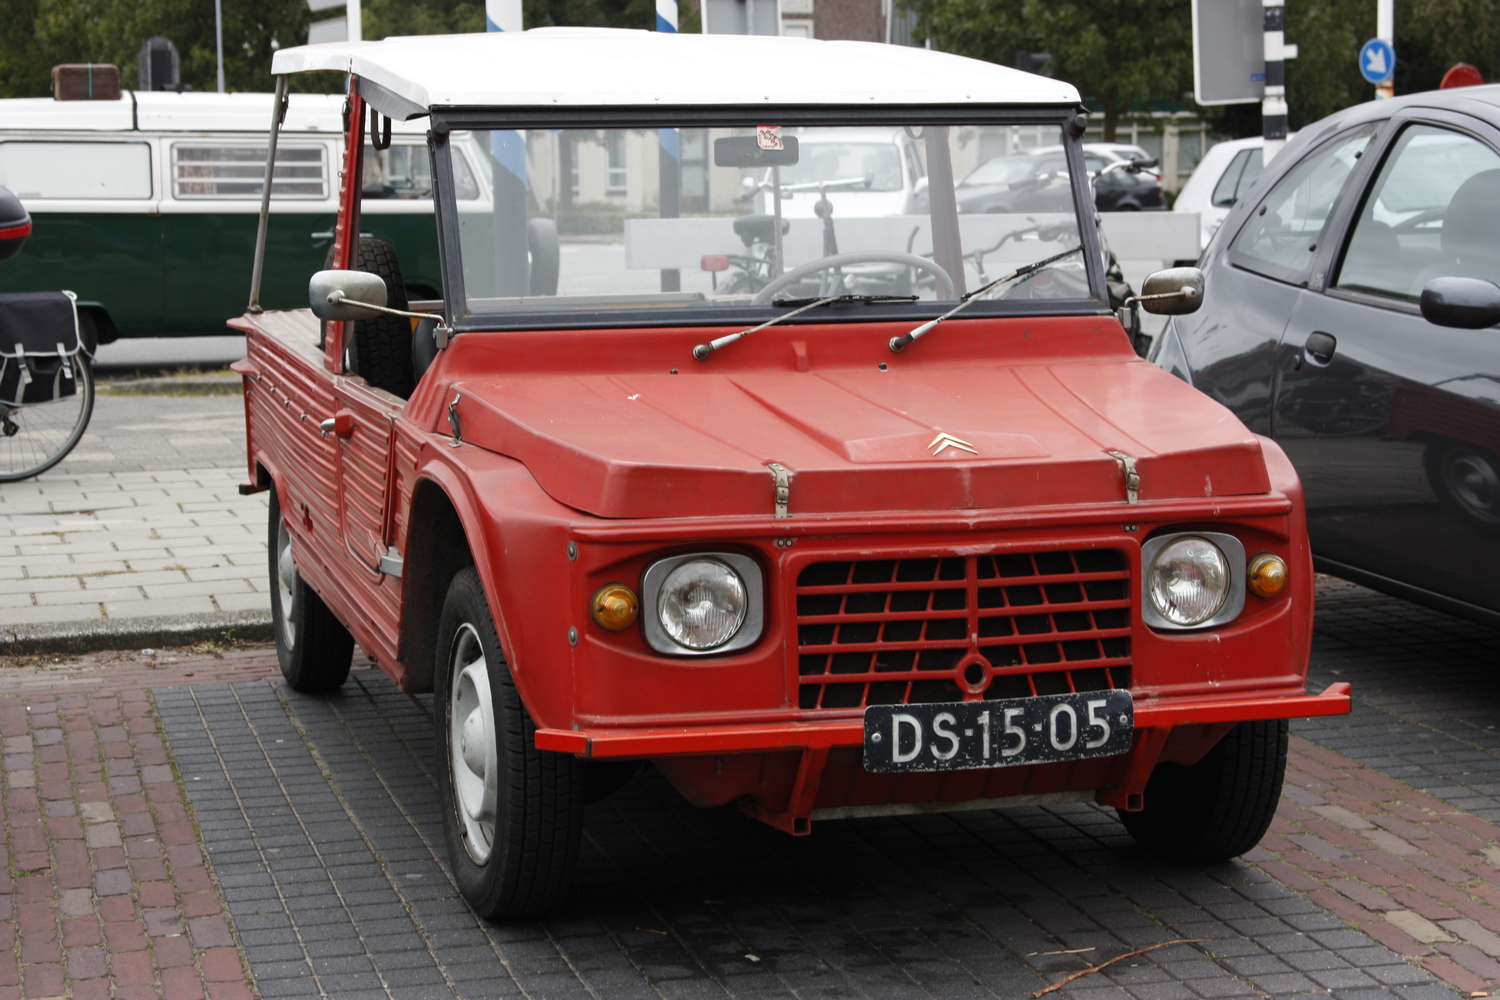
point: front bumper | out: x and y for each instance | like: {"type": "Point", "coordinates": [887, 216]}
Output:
{"type": "Point", "coordinates": [688, 740]}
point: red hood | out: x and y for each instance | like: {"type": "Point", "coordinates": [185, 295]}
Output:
{"type": "Point", "coordinates": [859, 439]}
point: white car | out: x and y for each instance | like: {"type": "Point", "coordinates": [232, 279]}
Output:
{"type": "Point", "coordinates": [868, 173]}
{"type": "Point", "coordinates": [1224, 174]}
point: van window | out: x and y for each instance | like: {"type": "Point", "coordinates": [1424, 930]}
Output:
{"type": "Point", "coordinates": [76, 169]}
{"type": "Point", "coordinates": [214, 170]}
{"type": "Point", "coordinates": [1242, 171]}
{"type": "Point", "coordinates": [405, 171]}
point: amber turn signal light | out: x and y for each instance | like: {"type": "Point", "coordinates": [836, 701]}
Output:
{"type": "Point", "coordinates": [1266, 576]}
{"type": "Point", "coordinates": [615, 606]}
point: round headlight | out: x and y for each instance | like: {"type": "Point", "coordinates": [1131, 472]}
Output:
{"type": "Point", "coordinates": [702, 604]}
{"type": "Point", "coordinates": [1189, 580]}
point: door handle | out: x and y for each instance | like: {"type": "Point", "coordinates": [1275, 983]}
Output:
{"type": "Point", "coordinates": [1319, 348]}
{"type": "Point", "coordinates": [321, 236]}
{"type": "Point", "coordinates": [341, 424]}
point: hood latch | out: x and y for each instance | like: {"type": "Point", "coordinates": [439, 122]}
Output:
{"type": "Point", "coordinates": [1132, 477]}
{"type": "Point", "coordinates": [783, 481]}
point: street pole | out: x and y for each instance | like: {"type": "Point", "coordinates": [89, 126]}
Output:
{"type": "Point", "coordinates": [508, 150]}
{"type": "Point", "coordinates": [219, 39]}
{"type": "Point", "coordinates": [1273, 105]}
{"type": "Point", "coordinates": [1385, 30]}
{"type": "Point", "coordinates": [669, 142]}
{"type": "Point", "coordinates": [355, 15]}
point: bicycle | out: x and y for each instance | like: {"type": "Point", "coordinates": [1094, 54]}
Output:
{"type": "Point", "coordinates": [46, 381]}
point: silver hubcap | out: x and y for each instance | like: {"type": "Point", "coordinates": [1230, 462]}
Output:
{"type": "Point", "coordinates": [473, 761]}
{"type": "Point", "coordinates": [286, 582]}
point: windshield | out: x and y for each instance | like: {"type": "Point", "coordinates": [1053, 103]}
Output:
{"type": "Point", "coordinates": [718, 225]}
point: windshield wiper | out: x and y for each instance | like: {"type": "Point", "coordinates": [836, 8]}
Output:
{"type": "Point", "coordinates": [702, 351]}
{"type": "Point", "coordinates": [898, 344]}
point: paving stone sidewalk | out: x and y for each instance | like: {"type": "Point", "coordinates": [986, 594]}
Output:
{"type": "Point", "coordinates": [97, 546]}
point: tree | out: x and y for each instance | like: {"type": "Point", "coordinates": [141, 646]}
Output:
{"type": "Point", "coordinates": [1117, 52]}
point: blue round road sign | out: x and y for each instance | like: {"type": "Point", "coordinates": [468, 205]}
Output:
{"type": "Point", "coordinates": [1377, 61]}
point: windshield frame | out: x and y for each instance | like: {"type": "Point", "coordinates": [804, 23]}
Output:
{"type": "Point", "coordinates": [461, 318]}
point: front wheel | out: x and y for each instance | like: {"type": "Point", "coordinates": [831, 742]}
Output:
{"type": "Point", "coordinates": [512, 814]}
{"type": "Point", "coordinates": [1220, 807]}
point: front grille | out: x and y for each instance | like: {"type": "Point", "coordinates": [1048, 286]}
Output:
{"type": "Point", "coordinates": [898, 631]}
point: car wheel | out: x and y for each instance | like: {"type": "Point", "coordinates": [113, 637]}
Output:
{"type": "Point", "coordinates": [313, 646]}
{"type": "Point", "coordinates": [1220, 807]}
{"type": "Point", "coordinates": [1465, 477]}
{"type": "Point", "coordinates": [512, 814]}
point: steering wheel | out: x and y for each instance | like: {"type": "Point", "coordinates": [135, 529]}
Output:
{"type": "Point", "coordinates": [796, 274]}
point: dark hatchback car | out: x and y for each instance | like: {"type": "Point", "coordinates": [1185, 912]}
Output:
{"type": "Point", "coordinates": [1336, 302]}
{"type": "Point", "coordinates": [1035, 182]}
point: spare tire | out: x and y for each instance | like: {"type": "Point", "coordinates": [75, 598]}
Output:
{"type": "Point", "coordinates": [379, 350]}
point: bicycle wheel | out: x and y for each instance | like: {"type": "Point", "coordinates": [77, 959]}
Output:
{"type": "Point", "coordinates": [35, 437]}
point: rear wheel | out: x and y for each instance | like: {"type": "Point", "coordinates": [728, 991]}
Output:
{"type": "Point", "coordinates": [313, 646]}
{"type": "Point", "coordinates": [512, 814]}
{"type": "Point", "coordinates": [1220, 807]}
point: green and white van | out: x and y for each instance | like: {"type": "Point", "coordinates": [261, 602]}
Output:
{"type": "Point", "coordinates": [146, 206]}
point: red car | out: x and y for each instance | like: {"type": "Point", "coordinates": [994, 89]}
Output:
{"type": "Point", "coordinates": [909, 528]}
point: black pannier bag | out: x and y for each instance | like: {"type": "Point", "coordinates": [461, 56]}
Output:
{"type": "Point", "coordinates": [39, 347]}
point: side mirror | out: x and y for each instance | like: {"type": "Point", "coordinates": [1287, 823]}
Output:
{"type": "Point", "coordinates": [1464, 303]}
{"type": "Point", "coordinates": [1175, 291]}
{"type": "Point", "coordinates": [340, 295]}
{"type": "Point", "coordinates": [920, 187]}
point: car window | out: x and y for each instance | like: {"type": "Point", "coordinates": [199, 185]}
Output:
{"type": "Point", "coordinates": [1236, 180]}
{"type": "Point", "coordinates": [89, 170]}
{"type": "Point", "coordinates": [1434, 188]}
{"type": "Point", "coordinates": [236, 171]}
{"type": "Point", "coordinates": [1282, 234]}
{"type": "Point", "coordinates": [405, 171]}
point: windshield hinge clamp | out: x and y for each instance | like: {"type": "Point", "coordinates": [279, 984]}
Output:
{"type": "Point", "coordinates": [783, 488]}
{"type": "Point", "coordinates": [1132, 477]}
{"type": "Point", "coordinates": [391, 562]}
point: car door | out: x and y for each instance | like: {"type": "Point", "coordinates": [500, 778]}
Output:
{"type": "Point", "coordinates": [1393, 422]}
{"type": "Point", "coordinates": [1253, 283]}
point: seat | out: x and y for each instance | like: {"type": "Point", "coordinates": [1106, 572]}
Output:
{"type": "Point", "coordinates": [758, 228]}
{"type": "Point", "coordinates": [1471, 227]}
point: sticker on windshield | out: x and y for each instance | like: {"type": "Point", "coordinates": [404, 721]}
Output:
{"type": "Point", "coordinates": [766, 137]}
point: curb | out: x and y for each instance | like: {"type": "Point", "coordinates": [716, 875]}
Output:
{"type": "Point", "coordinates": [228, 384]}
{"type": "Point", "coordinates": [134, 633]}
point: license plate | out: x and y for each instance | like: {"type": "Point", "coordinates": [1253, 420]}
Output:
{"type": "Point", "coordinates": [1004, 733]}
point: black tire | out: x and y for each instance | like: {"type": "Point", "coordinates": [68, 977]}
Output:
{"type": "Point", "coordinates": [313, 646]}
{"type": "Point", "coordinates": [546, 255]}
{"type": "Point", "coordinates": [534, 823]}
{"type": "Point", "coordinates": [1220, 807]}
{"type": "Point", "coordinates": [379, 350]}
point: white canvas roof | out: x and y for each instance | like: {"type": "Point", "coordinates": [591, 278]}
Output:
{"type": "Point", "coordinates": [594, 67]}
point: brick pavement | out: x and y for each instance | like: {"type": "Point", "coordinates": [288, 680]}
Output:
{"type": "Point", "coordinates": [321, 818]}
{"type": "Point", "coordinates": [318, 816]}
{"type": "Point", "coordinates": [104, 888]}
